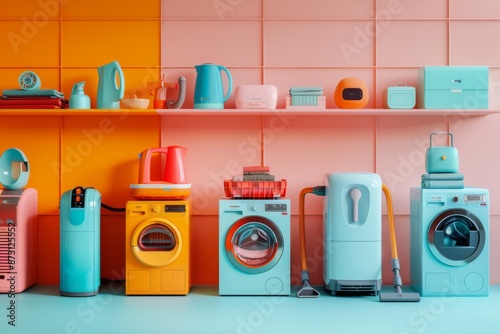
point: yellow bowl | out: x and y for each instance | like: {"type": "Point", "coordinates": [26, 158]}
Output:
{"type": "Point", "coordinates": [135, 103]}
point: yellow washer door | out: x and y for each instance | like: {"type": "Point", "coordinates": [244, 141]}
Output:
{"type": "Point", "coordinates": [156, 242]}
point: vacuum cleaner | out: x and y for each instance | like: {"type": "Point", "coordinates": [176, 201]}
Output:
{"type": "Point", "coordinates": [352, 237]}
{"type": "Point", "coordinates": [80, 223]}
{"type": "Point", "coordinates": [352, 231]}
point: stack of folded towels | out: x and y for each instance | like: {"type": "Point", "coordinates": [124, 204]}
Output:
{"type": "Point", "coordinates": [255, 173]}
{"type": "Point", "coordinates": [305, 96]}
{"type": "Point", "coordinates": [442, 181]}
{"type": "Point", "coordinates": [33, 99]}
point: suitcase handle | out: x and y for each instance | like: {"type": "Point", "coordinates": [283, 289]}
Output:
{"type": "Point", "coordinates": [441, 133]}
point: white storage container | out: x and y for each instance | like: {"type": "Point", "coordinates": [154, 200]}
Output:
{"type": "Point", "coordinates": [256, 97]}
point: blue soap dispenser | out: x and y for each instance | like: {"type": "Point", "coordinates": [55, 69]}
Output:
{"type": "Point", "coordinates": [80, 225]}
{"type": "Point", "coordinates": [78, 99]}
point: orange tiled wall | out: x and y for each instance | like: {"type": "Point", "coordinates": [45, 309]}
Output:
{"type": "Point", "coordinates": [278, 42]}
{"type": "Point", "coordinates": [64, 42]}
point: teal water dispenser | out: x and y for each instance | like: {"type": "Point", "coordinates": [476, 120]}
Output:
{"type": "Point", "coordinates": [80, 225]}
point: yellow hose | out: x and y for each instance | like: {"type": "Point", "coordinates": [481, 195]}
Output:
{"type": "Point", "coordinates": [390, 217]}
{"type": "Point", "coordinates": [302, 226]}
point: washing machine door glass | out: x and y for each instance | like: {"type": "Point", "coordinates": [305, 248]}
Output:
{"type": "Point", "coordinates": [156, 242]}
{"type": "Point", "coordinates": [156, 237]}
{"type": "Point", "coordinates": [456, 237]}
{"type": "Point", "coordinates": [254, 244]}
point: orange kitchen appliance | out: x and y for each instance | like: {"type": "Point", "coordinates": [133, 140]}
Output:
{"type": "Point", "coordinates": [351, 93]}
{"type": "Point", "coordinates": [158, 255]}
{"type": "Point", "coordinates": [172, 186]}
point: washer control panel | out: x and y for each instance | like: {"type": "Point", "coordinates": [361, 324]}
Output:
{"type": "Point", "coordinates": [157, 208]}
{"type": "Point", "coordinates": [471, 199]}
{"type": "Point", "coordinates": [263, 207]}
{"type": "Point", "coordinates": [276, 207]}
{"type": "Point", "coordinates": [475, 198]}
{"type": "Point", "coordinates": [268, 208]}
{"type": "Point", "coordinates": [170, 208]}
{"type": "Point", "coordinates": [175, 208]}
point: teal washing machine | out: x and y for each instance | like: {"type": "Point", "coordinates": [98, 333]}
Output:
{"type": "Point", "coordinates": [254, 247]}
{"type": "Point", "coordinates": [449, 244]}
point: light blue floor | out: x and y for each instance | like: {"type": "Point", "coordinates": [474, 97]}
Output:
{"type": "Point", "coordinates": [42, 310]}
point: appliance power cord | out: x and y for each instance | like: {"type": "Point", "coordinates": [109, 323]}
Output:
{"type": "Point", "coordinates": [110, 208]}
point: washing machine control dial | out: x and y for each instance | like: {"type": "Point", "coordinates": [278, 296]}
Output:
{"type": "Point", "coordinates": [255, 207]}
{"type": "Point", "coordinates": [155, 208]}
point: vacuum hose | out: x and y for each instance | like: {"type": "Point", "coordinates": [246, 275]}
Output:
{"type": "Point", "coordinates": [302, 227]}
{"type": "Point", "coordinates": [390, 217]}
{"type": "Point", "coordinates": [398, 295]}
{"type": "Point", "coordinates": [307, 290]}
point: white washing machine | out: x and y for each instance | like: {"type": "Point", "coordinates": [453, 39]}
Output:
{"type": "Point", "coordinates": [449, 241]}
{"type": "Point", "coordinates": [254, 247]}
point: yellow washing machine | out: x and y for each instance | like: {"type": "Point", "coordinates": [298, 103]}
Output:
{"type": "Point", "coordinates": [157, 248]}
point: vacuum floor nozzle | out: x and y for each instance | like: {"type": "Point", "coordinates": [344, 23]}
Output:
{"type": "Point", "coordinates": [307, 291]}
{"type": "Point", "coordinates": [399, 297]}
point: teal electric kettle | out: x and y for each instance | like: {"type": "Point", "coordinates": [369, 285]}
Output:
{"type": "Point", "coordinates": [208, 92]}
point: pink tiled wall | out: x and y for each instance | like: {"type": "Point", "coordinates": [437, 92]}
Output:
{"type": "Point", "coordinates": [293, 42]}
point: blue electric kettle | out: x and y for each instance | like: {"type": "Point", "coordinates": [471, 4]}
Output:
{"type": "Point", "coordinates": [208, 93]}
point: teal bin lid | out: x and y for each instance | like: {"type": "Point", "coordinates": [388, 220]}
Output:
{"type": "Point", "coordinates": [14, 169]}
{"type": "Point", "coordinates": [455, 77]}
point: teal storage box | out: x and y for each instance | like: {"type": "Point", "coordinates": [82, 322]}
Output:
{"type": "Point", "coordinates": [399, 97]}
{"type": "Point", "coordinates": [453, 87]}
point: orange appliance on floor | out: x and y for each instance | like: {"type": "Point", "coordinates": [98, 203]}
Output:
{"type": "Point", "coordinates": [158, 255]}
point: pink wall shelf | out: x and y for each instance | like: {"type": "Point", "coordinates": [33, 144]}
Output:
{"type": "Point", "coordinates": [330, 112]}
{"type": "Point", "coordinates": [248, 112]}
